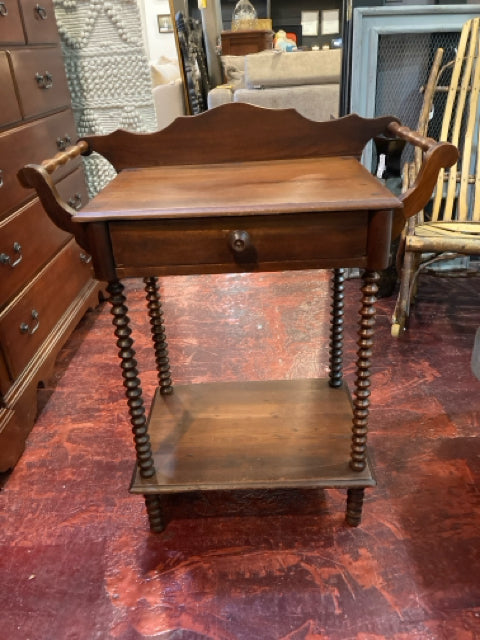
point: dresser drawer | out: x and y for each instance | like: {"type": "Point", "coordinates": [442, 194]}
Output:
{"type": "Point", "coordinates": [11, 29]}
{"type": "Point", "coordinates": [29, 319]}
{"type": "Point", "coordinates": [32, 143]}
{"type": "Point", "coordinates": [304, 240]}
{"type": "Point", "coordinates": [28, 239]}
{"type": "Point", "coordinates": [5, 382]}
{"type": "Point", "coordinates": [39, 21]}
{"type": "Point", "coordinates": [73, 189]}
{"type": "Point", "coordinates": [41, 80]}
{"type": "Point", "coordinates": [9, 109]}
{"type": "Point", "coordinates": [10, 427]}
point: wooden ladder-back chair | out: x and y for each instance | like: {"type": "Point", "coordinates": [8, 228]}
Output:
{"type": "Point", "coordinates": [450, 225]}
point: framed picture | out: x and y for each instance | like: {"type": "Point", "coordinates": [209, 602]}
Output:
{"type": "Point", "coordinates": [309, 23]}
{"type": "Point", "coordinates": [330, 21]}
{"type": "Point", "coordinates": [165, 23]}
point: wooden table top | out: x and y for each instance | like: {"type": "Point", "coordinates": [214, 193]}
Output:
{"type": "Point", "coordinates": [234, 189]}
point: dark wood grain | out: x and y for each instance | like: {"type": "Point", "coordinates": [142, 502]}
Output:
{"type": "Point", "coordinates": [243, 132]}
{"type": "Point", "coordinates": [45, 278]}
{"type": "Point", "coordinates": [9, 109]}
{"type": "Point", "coordinates": [40, 246]}
{"type": "Point", "coordinates": [31, 143]}
{"type": "Point", "coordinates": [284, 433]}
{"type": "Point", "coordinates": [11, 28]}
{"type": "Point", "coordinates": [272, 187]}
{"type": "Point", "coordinates": [33, 97]}
{"type": "Point", "coordinates": [179, 247]}
{"type": "Point", "coordinates": [241, 43]}
{"type": "Point", "coordinates": [46, 295]}
{"type": "Point", "coordinates": [39, 21]}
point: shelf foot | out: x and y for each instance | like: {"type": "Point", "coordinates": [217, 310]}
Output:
{"type": "Point", "coordinates": [155, 513]}
{"type": "Point", "coordinates": [353, 515]}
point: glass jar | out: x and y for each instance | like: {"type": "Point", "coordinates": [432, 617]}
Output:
{"type": "Point", "coordinates": [244, 16]}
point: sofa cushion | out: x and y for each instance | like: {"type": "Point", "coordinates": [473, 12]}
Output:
{"type": "Point", "coordinates": [316, 102]}
{"type": "Point", "coordinates": [283, 69]}
{"type": "Point", "coordinates": [164, 70]}
{"type": "Point", "coordinates": [234, 71]}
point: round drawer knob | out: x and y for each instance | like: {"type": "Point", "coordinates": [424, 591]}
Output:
{"type": "Point", "coordinates": [240, 241]}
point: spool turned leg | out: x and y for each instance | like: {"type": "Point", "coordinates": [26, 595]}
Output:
{"type": "Point", "coordinates": [361, 400]}
{"type": "Point", "coordinates": [336, 329]}
{"type": "Point", "coordinates": [354, 506]}
{"type": "Point", "coordinates": [133, 392]}
{"type": "Point", "coordinates": [158, 335]}
{"type": "Point", "coordinates": [155, 513]}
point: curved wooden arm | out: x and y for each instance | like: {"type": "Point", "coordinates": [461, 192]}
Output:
{"type": "Point", "coordinates": [437, 156]}
{"type": "Point", "coordinates": [61, 214]}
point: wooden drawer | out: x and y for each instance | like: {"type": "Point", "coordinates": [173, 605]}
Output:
{"type": "Point", "coordinates": [30, 318]}
{"type": "Point", "coordinates": [41, 80]}
{"type": "Point", "coordinates": [10, 427]}
{"type": "Point", "coordinates": [73, 189]}
{"type": "Point", "coordinates": [39, 21]}
{"type": "Point", "coordinates": [28, 239]}
{"type": "Point", "coordinates": [31, 143]}
{"type": "Point", "coordinates": [207, 245]}
{"type": "Point", "coordinates": [9, 108]}
{"type": "Point", "coordinates": [11, 29]}
{"type": "Point", "coordinates": [5, 382]}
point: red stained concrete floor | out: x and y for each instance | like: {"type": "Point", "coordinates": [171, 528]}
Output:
{"type": "Point", "coordinates": [77, 561]}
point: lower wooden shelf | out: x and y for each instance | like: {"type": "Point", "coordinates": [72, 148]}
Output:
{"type": "Point", "coordinates": [283, 433]}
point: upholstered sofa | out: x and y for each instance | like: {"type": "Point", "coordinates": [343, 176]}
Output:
{"type": "Point", "coordinates": [308, 81]}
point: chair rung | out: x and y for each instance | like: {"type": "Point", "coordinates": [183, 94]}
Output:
{"type": "Point", "coordinates": [439, 245]}
{"type": "Point", "coordinates": [470, 179]}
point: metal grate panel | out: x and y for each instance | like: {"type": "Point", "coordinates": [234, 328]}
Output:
{"type": "Point", "coordinates": [403, 66]}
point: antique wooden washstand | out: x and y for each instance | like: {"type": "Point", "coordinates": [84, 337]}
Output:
{"type": "Point", "coordinates": [243, 189]}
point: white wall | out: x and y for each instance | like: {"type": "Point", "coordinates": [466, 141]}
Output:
{"type": "Point", "coordinates": [156, 44]}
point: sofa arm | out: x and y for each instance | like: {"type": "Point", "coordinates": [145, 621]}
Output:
{"type": "Point", "coordinates": [222, 94]}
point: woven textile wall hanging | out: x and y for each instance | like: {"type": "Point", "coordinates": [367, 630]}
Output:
{"type": "Point", "coordinates": [107, 71]}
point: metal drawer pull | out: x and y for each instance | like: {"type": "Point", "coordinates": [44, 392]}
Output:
{"type": "Point", "coordinates": [1, 178]}
{"type": "Point", "coordinates": [85, 258]}
{"type": "Point", "coordinates": [63, 143]}
{"type": "Point", "coordinates": [45, 81]}
{"type": "Point", "coordinates": [25, 328]}
{"type": "Point", "coordinates": [41, 12]}
{"type": "Point", "coordinates": [3, 9]}
{"type": "Point", "coordinates": [6, 259]}
{"type": "Point", "coordinates": [240, 241]}
{"type": "Point", "coordinates": [75, 201]}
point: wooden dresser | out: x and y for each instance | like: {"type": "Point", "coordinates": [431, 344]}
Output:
{"type": "Point", "coordinates": [46, 280]}
{"type": "Point", "coordinates": [240, 43]}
